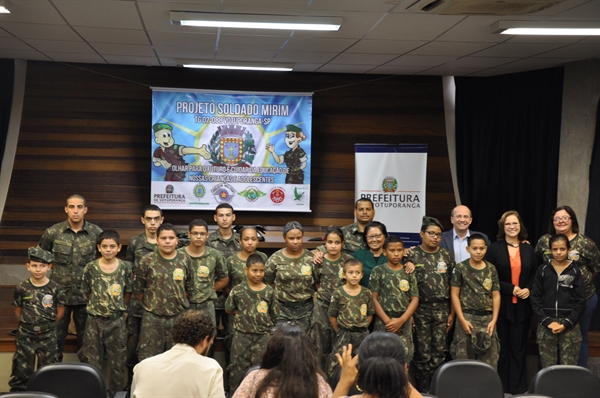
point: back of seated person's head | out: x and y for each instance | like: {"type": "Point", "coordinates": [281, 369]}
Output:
{"type": "Point", "coordinates": [193, 327]}
{"type": "Point", "coordinates": [383, 377]}
{"type": "Point", "coordinates": [382, 344]}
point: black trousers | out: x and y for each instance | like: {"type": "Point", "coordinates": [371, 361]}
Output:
{"type": "Point", "coordinates": [513, 351]}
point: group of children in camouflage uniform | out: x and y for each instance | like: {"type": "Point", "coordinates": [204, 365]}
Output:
{"type": "Point", "coordinates": [422, 284]}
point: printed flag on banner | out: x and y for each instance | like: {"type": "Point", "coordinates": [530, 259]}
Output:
{"type": "Point", "coordinates": [252, 150]}
{"type": "Point", "coordinates": [394, 178]}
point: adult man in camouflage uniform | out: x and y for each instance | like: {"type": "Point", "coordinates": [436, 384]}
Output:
{"type": "Point", "coordinates": [475, 295]}
{"type": "Point", "coordinates": [38, 308]}
{"type": "Point", "coordinates": [139, 246]}
{"type": "Point", "coordinates": [162, 281]}
{"type": "Point", "coordinates": [73, 245]}
{"type": "Point", "coordinates": [434, 316]}
{"type": "Point", "coordinates": [108, 294]}
{"type": "Point", "coordinates": [209, 271]}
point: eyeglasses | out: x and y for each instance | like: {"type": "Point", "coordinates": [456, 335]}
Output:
{"type": "Point", "coordinates": [563, 218]}
{"type": "Point", "coordinates": [375, 237]}
{"type": "Point", "coordinates": [433, 234]}
{"type": "Point", "coordinates": [198, 234]}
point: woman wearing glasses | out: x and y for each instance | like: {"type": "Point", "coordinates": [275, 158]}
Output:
{"type": "Point", "coordinates": [587, 257]}
{"type": "Point", "coordinates": [516, 264]}
{"type": "Point", "coordinates": [374, 235]}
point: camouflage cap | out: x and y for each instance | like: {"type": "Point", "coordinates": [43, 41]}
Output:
{"type": "Point", "coordinates": [294, 128]}
{"type": "Point", "coordinates": [161, 126]}
{"type": "Point", "coordinates": [481, 342]}
{"type": "Point", "coordinates": [39, 254]}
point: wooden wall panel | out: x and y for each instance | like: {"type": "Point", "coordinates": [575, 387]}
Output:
{"type": "Point", "coordinates": [86, 129]}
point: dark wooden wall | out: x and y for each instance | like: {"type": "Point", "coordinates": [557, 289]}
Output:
{"type": "Point", "coordinates": [86, 129]}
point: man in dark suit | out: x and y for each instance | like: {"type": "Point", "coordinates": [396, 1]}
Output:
{"type": "Point", "coordinates": [455, 240]}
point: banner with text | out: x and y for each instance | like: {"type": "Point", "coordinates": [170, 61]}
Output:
{"type": "Point", "coordinates": [394, 178]}
{"type": "Point", "coordinates": [252, 150]}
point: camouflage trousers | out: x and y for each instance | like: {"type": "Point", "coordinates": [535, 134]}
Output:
{"type": "Point", "coordinates": [562, 348]}
{"type": "Point", "coordinates": [208, 306]}
{"type": "Point", "coordinates": [247, 350]}
{"type": "Point", "coordinates": [31, 344]}
{"type": "Point", "coordinates": [135, 312]}
{"type": "Point", "coordinates": [62, 327]}
{"type": "Point", "coordinates": [462, 347]}
{"type": "Point", "coordinates": [155, 334]}
{"type": "Point", "coordinates": [321, 333]}
{"type": "Point", "coordinates": [430, 337]}
{"type": "Point", "coordinates": [405, 334]}
{"type": "Point", "coordinates": [105, 338]}
{"type": "Point", "coordinates": [296, 313]}
{"type": "Point", "coordinates": [343, 338]}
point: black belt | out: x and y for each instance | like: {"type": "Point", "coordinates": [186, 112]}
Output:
{"type": "Point", "coordinates": [295, 303]}
{"type": "Point", "coordinates": [477, 312]}
{"type": "Point", "coordinates": [355, 329]}
{"type": "Point", "coordinates": [38, 327]}
{"type": "Point", "coordinates": [114, 315]}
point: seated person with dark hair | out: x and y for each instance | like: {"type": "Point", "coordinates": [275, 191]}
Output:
{"type": "Point", "coordinates": [184, 370]}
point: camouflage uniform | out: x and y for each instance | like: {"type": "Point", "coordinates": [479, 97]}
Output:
{"type": "Point", "coordinates": [206, 269]}
{"type": "Point", "coordinates": [137, 248]}
{"type": "Point", "coordinates": [369, 263]}
{"type": "Point", "coordinates": [558, 298]}
{"type": "Point", "coordinates": [36, 333]}
{"type": "Point", "coordinates": [105, 334]}
{"type": "Point", "coordinates": [255, 311]}
{"type": "Point", "coordinates": [294, 280]}
{"type": "Point", "coordinates": [352, 314]}
{"type": "Point", "coordinates": [72, 251]}
{"type": "Point", "coordinates": [476, 287]}
{"type": "Point", "coordinates": [293, 160]}
{"type": "Point", "coordinates": [321, 333]}
{"type": "Point", "coordinates": [353, 240]}
{"type": "Point", "coordinates": [433, 272]}
{"type": "Point", "coordinates": [164, 284]}
{"type": "Point", "coordinates": [395, 288]}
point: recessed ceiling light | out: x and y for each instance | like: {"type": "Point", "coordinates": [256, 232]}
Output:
{"type": "Point", "coordinates": [273, 67]}
{"type": "Point", "coordinates": [251, 21]}
{"type": "Point", "coordinates": [4, 7]}
{"type": "Point", "coordinates": [548, 28]}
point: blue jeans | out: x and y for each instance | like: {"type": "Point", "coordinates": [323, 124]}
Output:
{"type": "Point", "coordinates": [584, 325]}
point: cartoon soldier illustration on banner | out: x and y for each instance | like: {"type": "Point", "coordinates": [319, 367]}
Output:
{"type": "Point", "coordinates": [295, 158]}
{"type": "Point", "coordinates": [170, 155]}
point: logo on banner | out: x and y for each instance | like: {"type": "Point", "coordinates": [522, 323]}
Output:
{"type": "Point", "coordinates": [390, 184]}
{"type": "Point", "coordinates": [199, 191]}
{"type": "Point", "coordinates": [169, 189]}
{"type": "Point", "coordinates": [300, 194]}
{"type": "Point", "coordinates": [223, 193]}
{"type": "Point", "coordinates": [251, 194]}
{"type": "Point", "coordinates": [169, 196]}
{"type": "Point", "coordinates": [277, 195]}
{"type": "Point", "coordinates": [232, 145]}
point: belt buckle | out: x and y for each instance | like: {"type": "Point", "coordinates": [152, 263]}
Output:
{"type": "Point", "coordinates": [36, 328]}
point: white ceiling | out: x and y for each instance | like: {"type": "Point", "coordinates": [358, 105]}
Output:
{"type": "Point", "coordinates": [377, 36]}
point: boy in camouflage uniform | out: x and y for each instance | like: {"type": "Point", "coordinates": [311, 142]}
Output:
{"type": "Point", "coordinates": [107, 283]}
{"type": "Point", "coordinates": [350, 312]}
{"type": "Point", "coordinates": [475, 295]}
{"type": "Point", "coordinates": [253, 303]}
{"type": "Point", "coordinates": [395, 294]}
{"type": "Point", "coordinates": [161, 284]}
{"type": "Point", "coordinates": [209, 272]}
{"type": "Point", "coordinates": [434, 316]}
{"type": "Point", "coordinates": [39, 304]}
{"type": "Point", "coordinates": [73, 245]}
{"type": "Point", "coordinates": [138, 247]}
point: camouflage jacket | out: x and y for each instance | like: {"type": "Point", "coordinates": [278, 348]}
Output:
{"type": "Point", "coordinates": [476, 286]}
{"type": "Point", "coordinates": [235, 268]}
{"type": "Point", "coordinates": [394, 288]}
{"type": "Point", "coordinates": [254, 310]}
{"type": "Point", "coordinates": [107, 290]}
{"type": "Point", "coordinates": [294, 278]}
{"type": "Point", "coordinates": [329, 276]}
{"type": "Point", "coordinates": [353, 240]}
{"type": "Point", "coordinates": [583, 251]}
{"type": "Point", "coordinates": [38, 303]}
{"type": "Point", "coordinates": [433, 272]}
{"type": "Point", "coordinates": [226, 246]}
{"type": "Point", "coordinates": [164, 283]}
{"type": "Point", "coordinates": [137, 248]}
{"type": "Point", "coordinates": [206, 269]}
{"type": "Point", "coordinates": [72, 251]}
{"type": "Point", "coordinates": [351, 311]}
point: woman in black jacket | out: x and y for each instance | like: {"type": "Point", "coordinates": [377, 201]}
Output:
{"type": "Point", "coordinates": [516, 264]}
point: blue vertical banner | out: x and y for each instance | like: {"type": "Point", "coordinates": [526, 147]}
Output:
{"type": "Point", "coordinates": [394, 177]}
{"type": "Point", "coordinates": [252, 150]}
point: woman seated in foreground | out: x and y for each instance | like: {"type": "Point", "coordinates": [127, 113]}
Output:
{"type": "Point", "coordinates": [288, 369]}
{"type": "Point", "coordinates": [381, 371]}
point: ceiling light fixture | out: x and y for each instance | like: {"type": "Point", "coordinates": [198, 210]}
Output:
{"type": "Point", "coordinates": [272, 67]}
{"type": "Point", "coordinates": [252, 21]}
{"type": "Point", "coordinates": [548, 28]}
{"type": "Point", "coordinates": [4, 7]}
